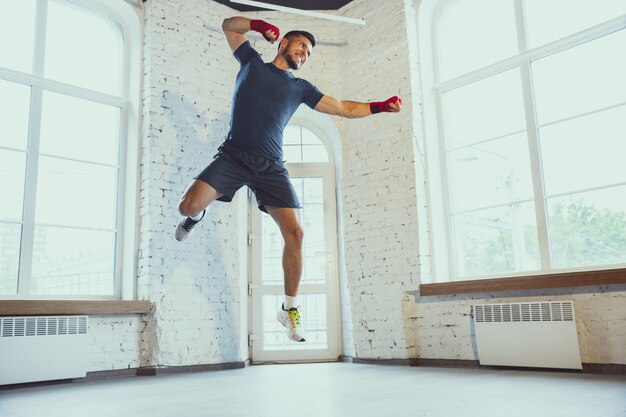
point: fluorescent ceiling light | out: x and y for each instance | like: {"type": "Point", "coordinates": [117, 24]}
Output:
{"type": "Point", "coordinates": [299, 11]}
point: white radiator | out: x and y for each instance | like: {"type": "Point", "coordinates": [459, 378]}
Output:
{"type": "Point", "coordinates": [536, 334]}
{"type": "Point", "coordinates": [42, 348]}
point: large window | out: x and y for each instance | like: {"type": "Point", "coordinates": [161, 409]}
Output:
{"type": "Point", "coordinates": [63, 118]}
{"type": "Point", "coordinates": [531, 103]}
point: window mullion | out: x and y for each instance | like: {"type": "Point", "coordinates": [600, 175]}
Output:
{"type": "Point", "coordinates": [30, 192]}
{"type": "Point", "coordinates": [534, 149]}
{"type": "Point", "coordinates": [533, 141]}
{"type": "Point", "coordinates": [41, 22]}
{"type": "Point", "coordinates": [446, 221]}
{"type": "Point", "coordinates": [520, 23]}
{"type": "Point", "coordinates": [125, 234]}
{"type": "Point", "coordinates": [32, 155]}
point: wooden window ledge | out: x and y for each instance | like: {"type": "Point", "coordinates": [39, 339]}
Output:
{"type": "Point", "coordinates": [534, 282]}
{"type": "Point", "coordinates": [50, 307]}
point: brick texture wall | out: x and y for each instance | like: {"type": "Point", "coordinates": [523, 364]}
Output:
{"type": "Point", "coordinates": [196, 285]}
{"type": "Point", "coordinates": [379, 183]}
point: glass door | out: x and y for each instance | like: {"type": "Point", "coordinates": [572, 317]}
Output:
{"type": "Point", "coordinates": [318, 292]}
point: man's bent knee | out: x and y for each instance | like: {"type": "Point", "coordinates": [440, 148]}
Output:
{"type": "Point", "coordinates": [188, 207]}
{"type": "Point", "coordinates": [197, 197]}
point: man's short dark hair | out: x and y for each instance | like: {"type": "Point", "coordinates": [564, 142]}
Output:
{"type": "Point", "coordinates": [294, 33]}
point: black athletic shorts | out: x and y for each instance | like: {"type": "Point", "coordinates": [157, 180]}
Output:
{"type": "Point", "coordinates": [234, 167]}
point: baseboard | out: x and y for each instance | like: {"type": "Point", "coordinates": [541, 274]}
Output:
{"type": "Point", "coordinates": [604, 368]}
{"type": "Point", "coordinates": [375, 361]}
{"type": "Point", "coordinates": [160, 370]}
{"type": "Point", "coordinates": [445, 363]}
{"type": "Point", "coordinates": [112, 374]}
{"type": "Point", "coordinates": [588, 368]}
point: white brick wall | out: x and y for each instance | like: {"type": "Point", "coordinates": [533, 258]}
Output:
{"type": "Point", "coordinates": [379, 191]}
{"type": "Point", "coordinates": [189, 75]}
{"type": "Point", "coordinates": [115, 342]}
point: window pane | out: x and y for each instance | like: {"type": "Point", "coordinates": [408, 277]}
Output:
{"type": "Point", "coordinates": [292, 153]}
{"type": "Point", "coordinates": [83, 48]}
{"type": "Point", "coordinates": [302, 145]}
{"type": "Point", "coordinates": [314, 153]}
{"type": "Point", "coordinates": [467, 35]}
{"type": "Point", "coordinates": [313, 323]}
{"type": "Point", "coordinates": [76, 194]}
{"type": "Point", "coordinates": [492, 173]}
{"type": "Point", "coordinates": [14, 111]}
{"type": "Point", "coordinates": [310, 192]}
{"type": "Point", "coordinates": [10, 235]}
{"type": "Point", "coordinates": [12, 171]}
{"type": "Point", "coordinates": [484, 110]}
{"type": "Point", "coordinates": [17, 34]}
{"type": "Point", "coordinates": [547, 21]}
{"type": "Point", "coordinates": [497, 241]}
{"type": "Point", "coordinates": [310, 138]}
{"type": "Point", "coordinates": [70, 261]}
{"type": "Point", "coordinates": [79, 129]}
{"type": "Point", "coordinates": [291, 135]}
{"type": "Point", "coordinates": [588, 228]}
{"type": "Point", "coordinates": [272, 252]}
{"type": "Point", "coordinates": [581, 79]}
{"type": "Point", "coordinates": [585, 152]}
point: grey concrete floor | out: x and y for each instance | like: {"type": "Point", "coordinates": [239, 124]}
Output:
{"type": "Point", "coordinates": [329, 390]}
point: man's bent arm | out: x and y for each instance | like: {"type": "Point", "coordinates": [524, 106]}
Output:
{"type": "Point", "coordinates": [356, 109]}
{"type": "Point", "coordinates": [236, 27]}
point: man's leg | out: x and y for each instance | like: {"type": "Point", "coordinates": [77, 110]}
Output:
{"type": "Point", "coordinates": [198, 196]}
{"type": "Point", "coordinates": [192, 205]}
{"type": "Point", "coordinates": [287, 221]}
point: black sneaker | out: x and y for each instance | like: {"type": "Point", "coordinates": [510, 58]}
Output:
{"type": "Point", "coordinates": [185, 227]}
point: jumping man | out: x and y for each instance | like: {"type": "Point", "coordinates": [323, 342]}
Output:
{"type": "Point", "coordinates": [266, 96]}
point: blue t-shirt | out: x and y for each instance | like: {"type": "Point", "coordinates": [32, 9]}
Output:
{"type": "Point", "coordinates": [264, 100]}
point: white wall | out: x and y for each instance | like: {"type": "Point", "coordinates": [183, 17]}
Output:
{"type": "Point", "coordinates": [196, 285]}
{"type": "Point", "coordinates": [379, 184]}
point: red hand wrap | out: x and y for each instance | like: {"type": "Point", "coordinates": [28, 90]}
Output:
{"type": "Point", "coordinates": [261, 27]}
{"type": "Point", "coordinates": [378, 106]}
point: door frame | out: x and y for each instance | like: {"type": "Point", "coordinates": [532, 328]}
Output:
{"type": "Point", "coordinates": [331, 287]}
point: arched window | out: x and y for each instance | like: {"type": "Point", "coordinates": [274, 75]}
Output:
{"type": "Point", "coordinates": [301, 145]}
{"type": "Point", "coordinates": [65, 94]}
{"type": "Point", "coordinates": [530, 99]}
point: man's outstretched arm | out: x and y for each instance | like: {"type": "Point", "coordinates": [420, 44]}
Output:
{"type": "Point", "coordinates": [236, 27]}
{"type": "Point", "coordinates": [354, 109]}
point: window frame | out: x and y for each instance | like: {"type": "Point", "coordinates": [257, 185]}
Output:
{"type": "Point", "coordinates": [127, 18]}
{"type": "Point", "coordinates": [442, 247]}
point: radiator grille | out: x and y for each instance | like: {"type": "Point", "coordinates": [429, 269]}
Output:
{"type": "Point", "coordinates": [520, 312]}
{"type": "Point", "coordinates": [539, 334]}
{"type": "Point", "coordinates": [42, 326]}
